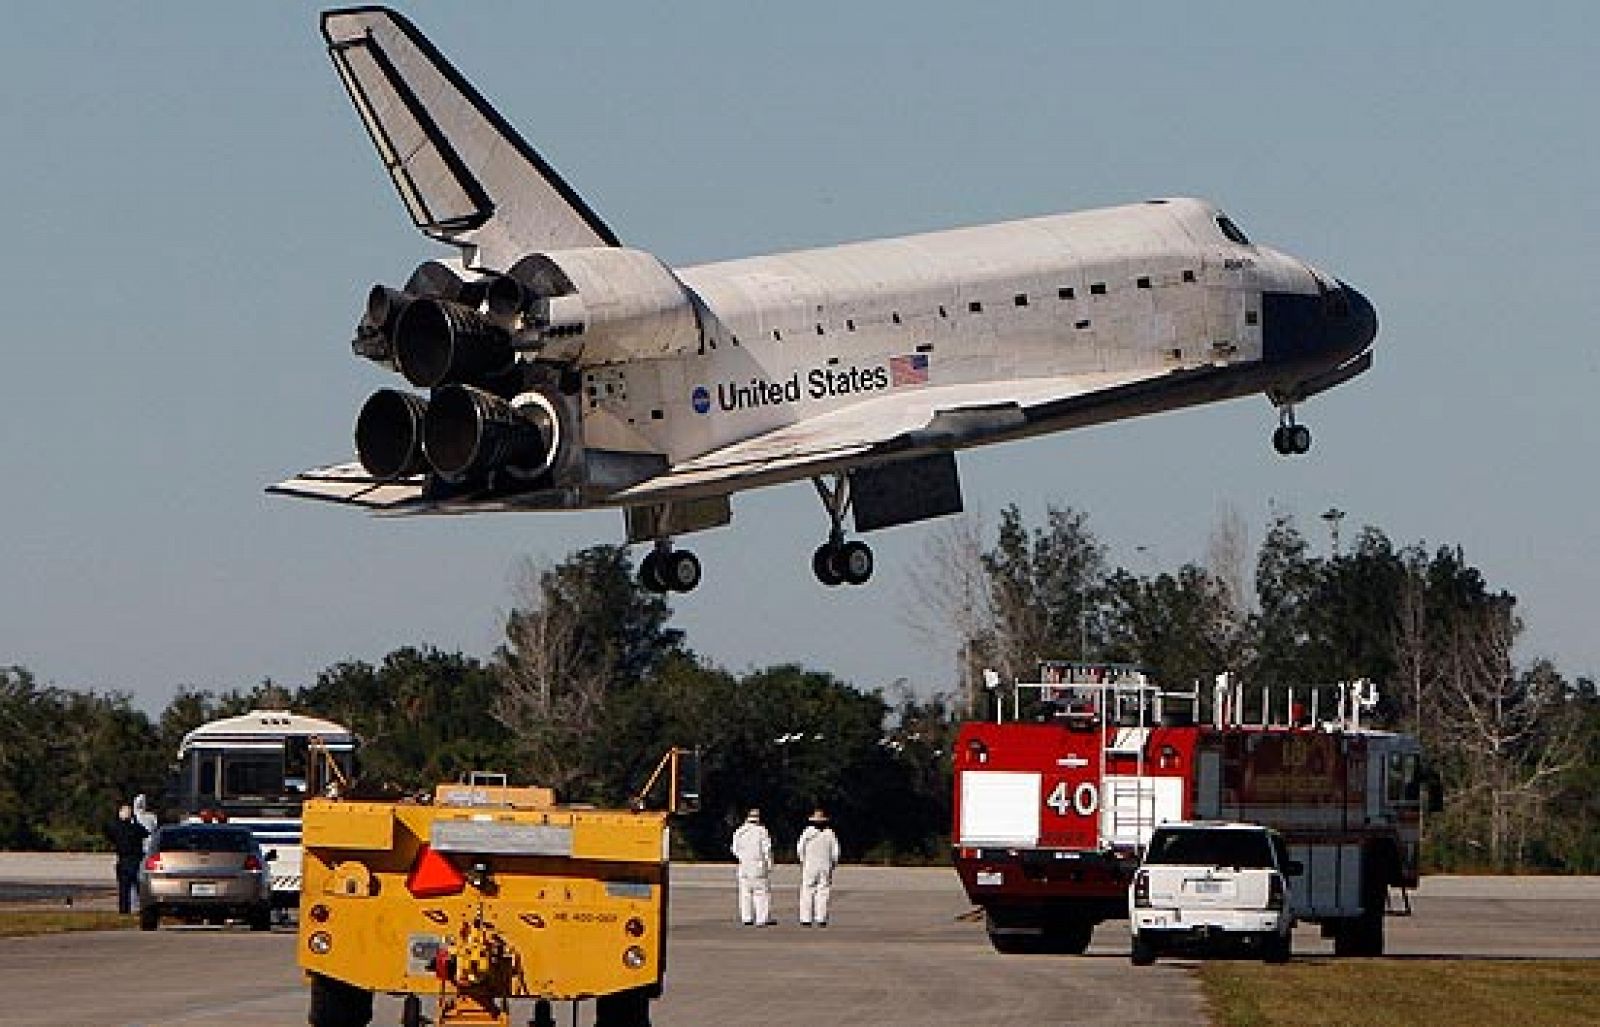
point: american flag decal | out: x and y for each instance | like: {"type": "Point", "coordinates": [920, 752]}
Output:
{"type": "Point", "coordinates": [911, 369]}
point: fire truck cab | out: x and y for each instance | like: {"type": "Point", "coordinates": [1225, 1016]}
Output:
{"type": "Point", "coordinates": [1055, 803]}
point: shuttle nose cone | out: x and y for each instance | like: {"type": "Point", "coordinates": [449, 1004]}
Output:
{"type": "Point", "coordinates": [1353, 332]}
{"type": "Point", "coordinates": [1319, 330]}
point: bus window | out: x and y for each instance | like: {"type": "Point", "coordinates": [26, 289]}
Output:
{"type": "Point", "coordinates": [253, 776]}
{"type": "Point", "coordinates": [208, 776]}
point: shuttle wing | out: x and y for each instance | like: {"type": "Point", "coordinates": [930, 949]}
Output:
{"type": "Point", "coordinates": [901, 425]}
{"type": "Point", "coordinates": [465, 175]}
{"type": "Point", "coordinates": [350, 483]}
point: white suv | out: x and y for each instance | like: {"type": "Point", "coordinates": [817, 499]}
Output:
{"type": "Point", "coordinates": [1205, 885]}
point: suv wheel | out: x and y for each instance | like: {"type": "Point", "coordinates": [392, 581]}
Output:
{"type": "Point", "coordinates": [1144, 953]}
{"type": "Point", "coordinates": [149, 918]}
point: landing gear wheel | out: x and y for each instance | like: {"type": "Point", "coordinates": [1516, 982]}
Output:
{"type": "Point", "coordinates": [825, 566]}
{"type": "Point", "coordinates": [853, 561]}
{"type": "Point", "coordinates": [650, 573]}
{"type": "Point", "coordinates": [669, 570]}
{"type": "Point", "coordinates": [679, 570]}
{"type": "Point", "coordinates": [1290, 438]}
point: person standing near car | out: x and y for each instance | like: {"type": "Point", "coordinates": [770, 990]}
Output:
{"type": "Point", "coordinates": [752, 846]}
{"type": "Point", "coordinates": [818, 850]}
{"type": "Point", "coordinates": [127, 840]}
{"type": "Point", "coordinates": [146, 819]}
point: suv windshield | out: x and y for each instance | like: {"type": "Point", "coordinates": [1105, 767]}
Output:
{"type": "Point", "coordinates": [1219, 848]}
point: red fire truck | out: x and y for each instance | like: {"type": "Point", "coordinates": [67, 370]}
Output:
{"type": "Point", "coordinates": [1054, 804]}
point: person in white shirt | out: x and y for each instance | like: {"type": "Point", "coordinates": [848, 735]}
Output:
{"type": "Point", "coordinates": [752, 847]}
{"type": "Point", "coordinates": [818, 850]}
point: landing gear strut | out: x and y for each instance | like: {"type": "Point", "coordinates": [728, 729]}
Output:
{"type": "Point", "coordinates": [837, 562]}
{"type": "Point", "coordinates": [665, 569]}
{"type": "Point", "coordinates": [1290, 437]}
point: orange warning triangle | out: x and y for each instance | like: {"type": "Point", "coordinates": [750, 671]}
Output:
{"type": "Point", "coordinates": [432, 874]}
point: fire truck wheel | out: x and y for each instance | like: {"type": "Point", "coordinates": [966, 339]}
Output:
{"type": "Point", "coordinates": [1069, 937]}
{"type": "Point", "coordinates": [1006, 943]}
{"type": "Point", "coordinates": [1144, 954]}
{"type": "Point", "coordinates": [337, 1004]}
{"type": "Point", "coordinates": [1360, 936]}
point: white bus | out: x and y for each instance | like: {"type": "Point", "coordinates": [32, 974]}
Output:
{"type": "Point", "coordinates": [256, 770]}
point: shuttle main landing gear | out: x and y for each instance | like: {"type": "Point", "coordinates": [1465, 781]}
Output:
{"type": "Point", "coordinates": [665, 569]}
{"type": "Point", "coordinates": [1290, 437]}
{"type": "Point", "coordinates": [837, 562]}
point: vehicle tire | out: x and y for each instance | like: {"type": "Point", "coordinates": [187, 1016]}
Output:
{"type": "Point", "coordinates": [624, 1009]}
{"type": "Point", "coordinates": [1069, 937]}
{"type": "Point", "coordinates": [1144, 953]}
{"type": "Point", "coordinates": [260, 918]}
{"type": "Point", "coordinates": [1276, 948]}
{"type": "Point", "coordinates": [411, 1012]}
{"type": "Point", "coordinates": [149, 918]}
{"type": "Point", "coordinates": [337, 1004]}
{"type": "Point", "coordinates": [1005, 943]}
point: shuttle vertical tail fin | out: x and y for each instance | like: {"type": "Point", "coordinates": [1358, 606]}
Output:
{"type": "Point", "coordinates": [465, 175]}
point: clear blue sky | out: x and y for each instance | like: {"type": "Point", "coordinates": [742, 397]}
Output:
{"type": "Point", "coordinates": [194, 216]}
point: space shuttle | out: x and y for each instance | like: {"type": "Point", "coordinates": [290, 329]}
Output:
{"type": "Point", "coordinates": [542, 364]}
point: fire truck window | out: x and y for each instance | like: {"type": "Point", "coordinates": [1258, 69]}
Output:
{"type": "Point", "coordinates": [1413, 778]}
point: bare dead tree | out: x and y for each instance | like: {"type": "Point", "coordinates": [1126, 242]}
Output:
{"type": "Point", "coordinates": [552, 683]}
{"type": "Point", "coordinates": [952, 601]}
{"type": "Point", "coordinates": [1228, 561]}
{"type": "Point", "coordinates": [1512, 736]}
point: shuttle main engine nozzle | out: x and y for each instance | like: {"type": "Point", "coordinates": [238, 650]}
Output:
{"type": "Point", "coordinates": [437, 342]}
{"type": "Point", "coordinates": [389, 434]}
{"type": "Point", "coordinates": [469, 433]}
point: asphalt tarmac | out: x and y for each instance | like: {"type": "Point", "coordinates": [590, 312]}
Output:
{"type": "Point", "coordinates": [897, 952]}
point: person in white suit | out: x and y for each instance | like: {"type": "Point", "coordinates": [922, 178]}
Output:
{"type": "Point", "coordinates": [818, 850]}
{"type": "Point", "coordinates": [752, 847]}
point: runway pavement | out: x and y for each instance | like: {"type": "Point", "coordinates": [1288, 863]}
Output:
{"type": "Point", "coordinates": [896, 953]}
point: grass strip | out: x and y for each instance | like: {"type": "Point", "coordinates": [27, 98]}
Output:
{"type": "Point", "coordinates": [1459, 992]}
{"type": "Point", "coordinates": [23, 922]}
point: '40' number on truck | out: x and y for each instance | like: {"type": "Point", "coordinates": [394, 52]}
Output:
{"type": "Point", "coordinates": [1084, 800]}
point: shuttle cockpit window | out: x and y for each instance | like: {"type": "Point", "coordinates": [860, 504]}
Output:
{"type": "Point", "coordinates": [1231, 230]}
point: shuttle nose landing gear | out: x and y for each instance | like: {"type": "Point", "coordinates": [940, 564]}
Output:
{"type": "Point", "coordinates": [665, 569]}
{"type": "Point", "coordinates": [837, 562]}
{"type": "Point", "coordinates": [1290, 438]}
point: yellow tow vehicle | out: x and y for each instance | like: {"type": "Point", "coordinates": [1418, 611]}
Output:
{"type": "Point", "coordinates": [486, 894]}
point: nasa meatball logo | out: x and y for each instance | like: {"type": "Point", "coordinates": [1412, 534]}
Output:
{"type": "Point", "coordinates": [701, 399]}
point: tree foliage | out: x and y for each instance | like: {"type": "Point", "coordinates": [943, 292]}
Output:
{"type": "Point", "coordinates": [592, 684]}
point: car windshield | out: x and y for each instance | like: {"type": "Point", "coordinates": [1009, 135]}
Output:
{"type": "Point", "coordinates": [194, 839]}
{"type": "Point", "coordinates": [1211, 848]}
